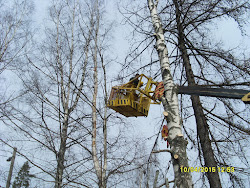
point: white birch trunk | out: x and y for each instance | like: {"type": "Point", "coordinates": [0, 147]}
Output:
{"type": "Point", "coordinates": [65, 98]}
{"type": "Point", "coordinates": [104, 168]}
{"type": "Point", "coordinates": [94, 118]}
{"type": "Point", "coordinates": [170, 103]}
{"type": "Point", "coordinates": [100, 170]}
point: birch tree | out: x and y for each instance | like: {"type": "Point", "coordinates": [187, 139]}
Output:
{"type": "Point", "coordinates": [112, 159]}
{"type": "Point", "coordinates": [100, 170]}
{"type": "Point", "coordinates": [15, 31]}
{"type": "Point", "coordinates": [52, 113]}
{"type": "Point", "coordinates": [170, 103]}
{"type": "Point", "coordinates": [15, 37]}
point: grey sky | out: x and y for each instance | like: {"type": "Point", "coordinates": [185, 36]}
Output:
{"type": "Point", "coordinates": [227, 32]}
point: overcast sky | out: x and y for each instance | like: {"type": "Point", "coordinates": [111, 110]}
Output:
{"type": "Point", "coordinates": [227, 32]}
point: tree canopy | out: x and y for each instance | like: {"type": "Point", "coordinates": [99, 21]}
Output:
{"type": "Point", "coordinates": [56, 110]}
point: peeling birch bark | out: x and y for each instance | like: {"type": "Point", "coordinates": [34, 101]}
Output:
{"type": "Point", "coordinates": [65, 97]}
{"type": "Point", "coordinates": [94, 115]}
{"type": "Point", "coordinates": [99, 167]}
{"type": "Point", "coordinates": [170, 103]}
{"type": "Point", "coordinates": [104, 168]}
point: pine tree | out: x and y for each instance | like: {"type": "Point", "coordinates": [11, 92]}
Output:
{"type": "Point", "coordinates": [23, 177]}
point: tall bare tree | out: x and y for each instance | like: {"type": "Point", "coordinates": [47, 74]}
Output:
{"type": "Point", "coordinates": [54, 79]}
{"type": "Point", "coordinates": [170, 103]}
{"type": "Point", "coordinates": [201, 122]}
{"type": "Point", "coordinates": [15, 37]}
{"type": "Point", "coordinates": [99, 168]}
{"type": "Point", "coordinates": [113, 160]}
{"type": "Point", "coordinates": [15, 31]}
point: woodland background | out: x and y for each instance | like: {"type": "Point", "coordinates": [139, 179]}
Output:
{"type": "Point", "coordinates": [59, 60]}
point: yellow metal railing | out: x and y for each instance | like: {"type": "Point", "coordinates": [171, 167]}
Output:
{"type": "Point", "coordinates": [133, 100]}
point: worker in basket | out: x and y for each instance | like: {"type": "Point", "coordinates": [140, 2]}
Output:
{"type": "Point", "coordinates": [135, 81]}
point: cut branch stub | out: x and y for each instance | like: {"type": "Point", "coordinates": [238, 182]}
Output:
{"type": "Point", "coordinates": [165, 114]}
{"type": "Point", "coordinates": [178, 143]}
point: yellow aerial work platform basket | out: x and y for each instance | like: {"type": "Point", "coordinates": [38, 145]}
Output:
{"type": "Point", "coordinates": [133, 98]}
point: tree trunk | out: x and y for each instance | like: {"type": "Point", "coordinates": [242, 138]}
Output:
{"type": "Point", "coordinates": [100, 170]}
{"type": "Point", "coordinates": [201, 123]}
{"type": "Point", "coordinates": [105, 134]}
{"type": "Point", "coordinates": [11, 168]}
{"type": "Point", "coordinates": [60, 155]}
{"type": "Point", "coordinates": [170, 103]}
{"type": "Point", "coordinates": [65, 98]}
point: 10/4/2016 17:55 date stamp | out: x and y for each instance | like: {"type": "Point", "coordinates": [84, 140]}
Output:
{"type": "Point", "coordinates": [207, 169]}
